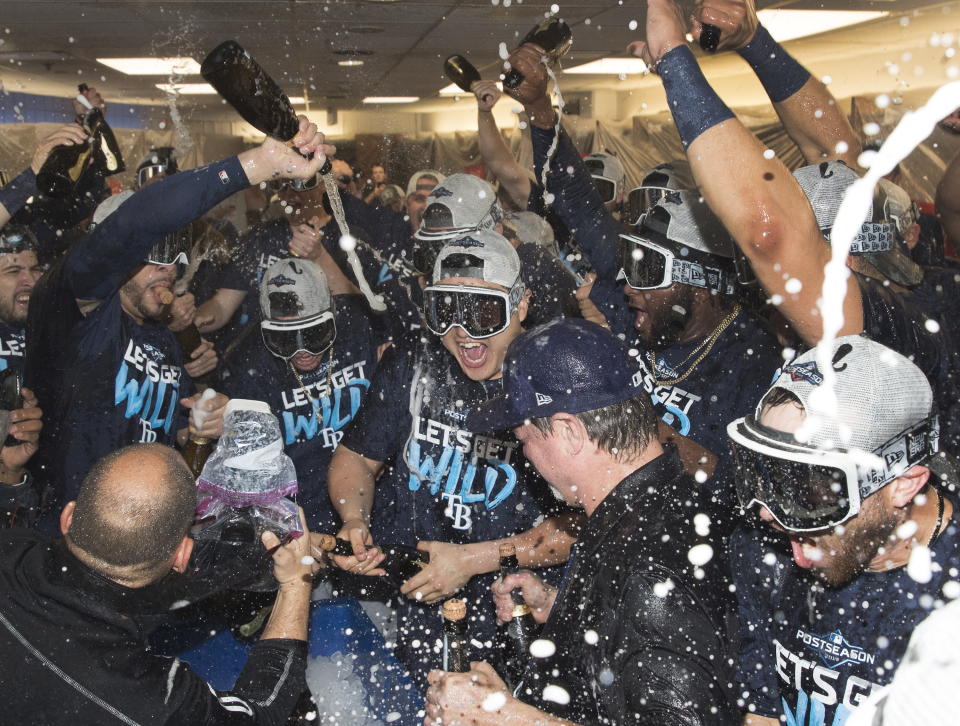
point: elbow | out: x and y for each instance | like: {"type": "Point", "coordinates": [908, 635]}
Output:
{"type": "Point", "coordinates": [762, 237]}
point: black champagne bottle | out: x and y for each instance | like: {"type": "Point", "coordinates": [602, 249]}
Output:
{"type": "Point", "coordinates": [455, 636]}
{"type": "Point", "coordinates": [516, 636]}
{"type": "Point", "coordinates": [553, 36]}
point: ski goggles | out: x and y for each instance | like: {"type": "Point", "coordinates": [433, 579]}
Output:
{"type": "Point", "coordinates": [172, 249]}
{"type": "Point", "coordinates": [646, 265]}
{"type": "Point", "coordinates": [904, 220]}
{"type": "Point", "coordinates": [606, 187]}
{"type": "Point", "coordinates": [807, 490]}
{"type": "Point", "coordinates": [149, 173]}
{"type": "Point", "coordinates": [480, 311]}
{"type": "Point", "coordinates": [15, 239]}
{"type": "Point", "coordinates": [873, 237]}
{"type": "Point", "coordinates": [287, 338]}
{"type": "Point", "coordinates": [640, 200]}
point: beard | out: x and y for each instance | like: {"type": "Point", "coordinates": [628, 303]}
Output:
{"type": "Point", "coordinates": [135, 293]}
{"type": "Point", "coordinates": [9, 313]}
{"type": "Point", "coordinates": [851, 552]}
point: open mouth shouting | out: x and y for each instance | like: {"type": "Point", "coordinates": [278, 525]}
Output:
{"type": "Point", "coordinates": [472, 354]}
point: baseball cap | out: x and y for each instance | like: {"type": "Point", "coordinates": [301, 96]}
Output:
{"type": "Point", "coordinates": [160, 160]}
{"type": "Point", "coordinates": [413, 184]}
{"type": "Point", "coordinates": [669, 176]}
{"type": "Point", "coordinates": [683, 219]}
{"type": "Point", "coordinates": [568, 365]}
{"type": "Point", "coordinates": [462, 203]}
{"type": "Point", "coordinates": [485, 255]}
{"type": "Point", "coordinates": [607, 172]}
{"type": "Point", "coordinates": [390, 194]}
{"type": "Point", "coordinates": [879, 394]}
{"type": "Point", "coordinates": [295, 289]}
{"type": "Point", "coordinates": [531, 228]}
{"type": "Point", "coordinates": [825, 185]}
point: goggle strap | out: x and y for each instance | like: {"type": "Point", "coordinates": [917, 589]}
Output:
{"type": "Point", "coordinates": [908, 448]}
{"type": "Point", "coordinates": [872, 237]}
{"type": "Point", "coordinates": [697, 275]}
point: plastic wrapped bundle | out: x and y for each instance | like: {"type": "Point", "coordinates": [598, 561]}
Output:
{"type": "Point", "coordinates": [243, 488]}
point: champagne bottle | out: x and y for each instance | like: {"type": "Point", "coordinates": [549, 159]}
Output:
{"type": "Point", "coordinates": [553, 36]}
{"type": "Point", "coordinates": [198, 448]}
{"type": "Point", "coordinates": [515, 636]}
{"type": "Point", "coordinates": [461, 71]}
{"type": "Point", "coordinates": [709, 37]}
{"type": "Point", "coordinates": [65, 165]}
{"type": "Point", "coordinates": [401, 563]}
{"type": "Point", "coordinates": [243, 83]}
{"type": "Point", "coordinates": [189, 337]}
{"type": "Point", "coordinates": [455, 636]}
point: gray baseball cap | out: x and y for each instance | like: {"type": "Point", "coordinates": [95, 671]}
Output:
{"type": "Point", "coordinates": [531, 228]}
{"type": "Point", "coordinates": [294, 289]}
{"type": "Point", "coordinates": [413, 184]}
{"type": "Point", "coordinates": [462, 203]}
{"type": "Point", "coordinates": [683, 218]}
{"type": "Point", "coordinates": [878, 243]}
{"type": "Point", "coordinates": [485, 255]}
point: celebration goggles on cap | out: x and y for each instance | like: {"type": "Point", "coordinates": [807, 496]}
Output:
{"type": "Point", "coordinates": [904, 220]}
{"type": "Point", "coordinates": [490, 219]}
{"type": "Point", "coordinates": [148, 173]}
{"type": "Point", "coordinates": [807, 489]}
{"type": "Point", "coordinates": [15, 239]}
{"type": "Point", "coordinates": [641, 200]}
{"type": "Point", "coordinates": [286, 338]}
{"type": "Point", "coordinates": [646, 265]}
{"type": "Point", "coordinates": [480, 311]}
{"type": "Point", "coordinates": [172, 249]}
{"type": "Point", "coordinates": [606, 186]}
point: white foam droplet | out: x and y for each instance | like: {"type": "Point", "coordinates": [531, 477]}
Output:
{"type": "Point", "coordinates": [907, 529]}
{"type": "Point", "coordinates": [871, 129]}
{"type": "Point", "coordinates": [769, 153]}
{"type": "Point", "coordinates": [591, 637]}
{"type": "Point", "coordinates": [307, 561]}
{"type": "Point", "coordinates": [503, 51]}
{"type": "Point", "coordinates": [841, 147]}
{"type": "Point", "coordinates": [556, 694]}
{"type": "Point", "coordinates": [662, 589]}
{"type": "Point", "coordinates": [700, 554]}
{"type": "Point", "coordinates": [542, 648]}
{"type": "Point", "coordinates": [701, 523]}
{"type": "Point", "coordinates": [700, 476]}
{"type": "Point", "coordinates": [919, 565]}
{"type": "Point", "coordinates": [951, 589]}
{"type": "Point", "coordinates": [348, 243]}
{"type": "Point", "coordinates": [494, 702]}
{"type": "Point", "coordinates": [793, 286]}
{"type": "Point", "coordinates": [931, 325]}
{"type": "Point", "coordinates": [632, 25]}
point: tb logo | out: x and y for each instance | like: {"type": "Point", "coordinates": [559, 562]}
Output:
{"type": "Point", "coordinates": [457, 511]}
{"type": "Point", "coordinates": [147, 434]}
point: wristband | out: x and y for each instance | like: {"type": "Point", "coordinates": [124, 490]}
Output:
{"type": "Point", "coordinates": [778, 71]}
{"type": "Point", "coordinates": [15, 194]}
{"type": "Point", "coordinates": [695, 106]}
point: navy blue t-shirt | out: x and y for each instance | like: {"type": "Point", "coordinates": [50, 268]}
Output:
{"type": "Point", "coordinates": [553, 286]}
{"type": "Point", "coordinates": [812, 654]}
{"type": "Point", "coordinates": [446, 484]}
{"type": "Point", "coordinates": [313, 415]}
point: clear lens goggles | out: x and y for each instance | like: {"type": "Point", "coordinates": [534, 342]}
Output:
{"type": "Point", "coordinates": [15, 239]}
{"type": "Point", "coordinates": [606, 187]}
{"type": "Point", "coordinates": [299, 185]}
{"type": "Point", "coordinates": [479, 311]}
{"type": "Point", "coordinates": [148, 173]}
{"type": "Point", "coordinates": [287, 338]}
{"type": "Point", "coordinates": [645, 265]}
{"type": "Point", "coordinates": [173, 249]}
{"type": "Point", "coordinates": [806, 490]}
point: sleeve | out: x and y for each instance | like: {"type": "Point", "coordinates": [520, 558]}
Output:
{"type": "Point", "coordinates": [577, 202]}
{"type": "Point", "coordinates": [230, 275]}
{"type": "Point", "coordinates": [15, 194]}
{"type": "Point", "coordinates": [389, 230]}
{"type": "Point", "coordinates": [265, 693]}
{"type": "Point", "coordinates": [754, 662]}
{"type": "Point", "coordinates": [673, 673]}
{"type": "Point", "coordinates": [383, 421]}
{"type": "Point", "coordinates": [18, 503]}
{"type": "Point", "coordinates": [99, 263]}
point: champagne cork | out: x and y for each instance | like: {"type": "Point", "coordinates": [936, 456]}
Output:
{"type": "Point", "coordinates": [454, 609]}
{"type": "Point", "coordinates": [165, 296]}
{"type": "Point", "coordinates": [507, 550]}
{"type": "Point", "coordinates": [328, 542]}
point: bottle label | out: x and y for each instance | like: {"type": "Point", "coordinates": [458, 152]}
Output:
{"type": "Point", "coordinates": [520, 610]}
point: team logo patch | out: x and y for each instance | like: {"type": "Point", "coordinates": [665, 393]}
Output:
{"type": "Point", "coordinates": [804, 372]}
{"type": "Point", "coordinates": [281, 280]}
{"type": "Point", "coordinates": [441, 192]}
{"type": "Point", "coordinates": [543, 400]}
{"type": "Point", "coordinates": [834, 650]}
{"type": "Point", "coordinates": [672, 197]}
{"type": "Point", "coordinates": [469, 242]}
{"type": "Point", "coordinates": [224, 177]}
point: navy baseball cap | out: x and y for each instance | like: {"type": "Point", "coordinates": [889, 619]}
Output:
{"type": "Point", "coordinates": [568, 365]}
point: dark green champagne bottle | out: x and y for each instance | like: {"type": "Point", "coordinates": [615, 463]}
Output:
{"type": "Point", "coordinates": [461, 71]}
{"type": "Point", "coordinates": [455, 636]}
{"type": "Point", "coordinates": [516, 636]}
{"type": "Point", "coordinates": [553, 36]}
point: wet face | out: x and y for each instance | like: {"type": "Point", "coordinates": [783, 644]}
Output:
{"type": "Point", "coordinates": [837, 555]}
{"type": "Point", "coordinates": [482, 360]}
{"type": "Point", "coordinates": [18, 275]}
{"type": "Point", "coordinates": [547, 454]}
{"type": "Point", "coordinates": [139, 295]}
{"type": "Point", "coordinates": [661, 315]}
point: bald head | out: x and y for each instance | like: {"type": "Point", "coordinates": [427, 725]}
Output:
{"type": "Point", "coordinates": [134, 508]}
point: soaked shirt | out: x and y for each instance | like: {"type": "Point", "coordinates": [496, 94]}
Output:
{"type": "Point", "coordinates": [812, 654]}
{"type": "Point", "coordinates": [314, 415]}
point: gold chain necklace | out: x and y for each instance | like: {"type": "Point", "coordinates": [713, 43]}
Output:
{"type": "Point", "coordinates": [706, 346]}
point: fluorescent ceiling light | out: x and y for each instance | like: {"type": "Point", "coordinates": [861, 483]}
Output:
{"type": "Point", "coordinates": [187, 89]}
{"type": "Point", "coordinates": [454, 90]}
{"type": "Point", "coordinates": [789, 24]}
{"type": "Point", "coordinates": [350, 62]}
{"type": "Point", "coordinates": [391, 99]}
{"type": "Point", "coordinates": [611, 66]}
{"type": "Point", "coordinates": [153, 66]}
{"type": "Point", "coordinates": [297, 100]}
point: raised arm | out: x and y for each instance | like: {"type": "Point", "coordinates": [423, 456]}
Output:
{"type": "Point", "coordinates": [755, 197]}
{"type": "Point", "coordinates": [99, 263]}
{"type": "Point", "coordinates": [497, 157]}
{"type": "Point", "coordinates": [809, 112]}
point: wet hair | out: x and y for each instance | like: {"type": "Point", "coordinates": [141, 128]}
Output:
{"type": "Point", "coordinates": [134, 534]}
{"type": "Point", "coordinates": [622, 429]}
{"type": "Point", "coordinates": [778, 397]}
{"type": "Point", "coordinates": [285, 304]}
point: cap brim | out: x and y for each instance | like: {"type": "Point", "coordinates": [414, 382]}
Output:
{"type": "Point", "coordinates": [494, 414]}
{"type": "Point", "coordinates": [895, 265]}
